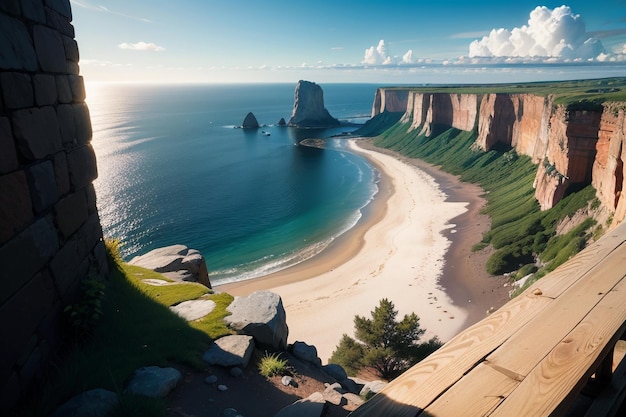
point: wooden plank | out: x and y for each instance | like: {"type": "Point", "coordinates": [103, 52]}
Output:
{"type": "Point", "coordinates": [472, 396]}
{"type": "Point", "coordinates": [552, 386]}
{"type": "Point", "coordinates": [418, 387]}
{"type": "Point", "coordinates": [527, 348]}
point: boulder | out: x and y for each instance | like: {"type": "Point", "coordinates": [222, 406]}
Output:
{"type": "Point", "coordinates": [282, 122]}
{"type": "Point", "coordinates": [153, 381]}
{"type": "Point", "coordinates": [262, 316]}
{"type": "Point", "coordinates": [307, 353]}
{"type": "Point", "coordinates": [250, 122]}
{"type": "Point", "coordinates": [336, 371]}
{"type": "Point", "coordinates": [333, 396]}
{"type": "Point", "coordinates": [193, 309]}
{"type": "Point", "coordinates": [371, 388]}
{"type": "Point", "coordinates": [94, 403]}
{"type": "Point", "coordinates": [308, 108]}
{"type": "Point", "coordinates": [235, 350]}
{"type": "Point", "coordinates": [176, 262]}
{"type": "Point", "coordinates": [312, 406]}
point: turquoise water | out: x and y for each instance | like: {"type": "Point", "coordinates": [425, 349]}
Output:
{"type": "Point", "coordinates": [173, 169]}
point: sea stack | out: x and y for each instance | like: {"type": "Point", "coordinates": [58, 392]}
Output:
{"type": "Point", "coordinates": [250, 122]}
{"type": "Point", "coordinates": [308, 107]}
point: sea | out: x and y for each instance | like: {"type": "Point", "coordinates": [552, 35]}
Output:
{"type": "Point", "coordinates": [175, 168]}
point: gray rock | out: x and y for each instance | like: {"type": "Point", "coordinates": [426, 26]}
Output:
{"type": "Point", "coordinates": [262, 316]}
{"type": "Point", "coordinates": [353, 399]}
{"type": "Point", "coordinates": [333, 396]}
{"type": "Point", "coordinates": [236, 372]}
{"type": "Point", "coordinates": [230, 412]}
{"type": "Point", "coordinates": [94, 403]}
{"type": "Point", "coordinates": [250, 122]}
{"type": "Point", "coordinates": [222, 388]}
{"type": "Point", "coordinates": [235, 350]}
{"type": "Point", "coordinates": [176, 262]}
{"type": "Point", "coordinates": [306, 353]}
{"type": "Point", "coordinates": [308, 108]}
{"type": "Point", "coordinates": [193, 309]}
{"type": "Point", "coordinates": [336, 371]}
{"type": "Point", "coordinates": [153, 381]}
{"type": "Point", "coordinates": [350, 385]}
{"type": "Point", "coordinates": [372, 388]}
{"type": "Point", "coordinates": [313, 406]}
{"type": "Point", "coordinates": [211, 379]}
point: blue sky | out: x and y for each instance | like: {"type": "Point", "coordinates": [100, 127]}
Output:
{"type": "Point", "coordinates": [395, 42]}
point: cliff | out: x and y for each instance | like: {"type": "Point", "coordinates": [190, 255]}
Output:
{"type": "Point", "coordinates": [308, 108]}
{"type": "Point", "coordinates": [571, 147]}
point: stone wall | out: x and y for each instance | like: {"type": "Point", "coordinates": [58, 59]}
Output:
{"type": "Point", "coordinates": [50, 233]}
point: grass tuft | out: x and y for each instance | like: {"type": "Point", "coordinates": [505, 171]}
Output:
{"type": "Point", "coordinates": [272, 364]}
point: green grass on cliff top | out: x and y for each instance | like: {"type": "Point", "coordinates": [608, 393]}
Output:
{"type": "Point", "coordinates": [565, 92]}
{"type": "Point", "coordinates": [136, 329]}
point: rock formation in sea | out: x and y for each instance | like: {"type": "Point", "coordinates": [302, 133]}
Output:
{"type": "Point", "coordinates": [282, 122]}
{"type": "Point", "coordinates": [250, 122]}
{"type": "Point", "coordinates": [308, 107]}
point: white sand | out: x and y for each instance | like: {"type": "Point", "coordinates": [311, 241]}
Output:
{"type": "Point", "coordinates": [401, 260]}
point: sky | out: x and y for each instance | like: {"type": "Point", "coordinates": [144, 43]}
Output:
{"type": "Point", "coordinates": [392, 42]}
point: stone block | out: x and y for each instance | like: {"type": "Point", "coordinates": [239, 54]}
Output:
{"type": "Point", "coordinates": [10, 6]}
{"type": "Point", "coordinates": [67, 269]}
{"type": "Point", "coordinates": [77, 86]}
{"type": "Point", "coordinates": [36, 131]}
{"type": "Point", "coordinates": [64, 91]}
{"type": "Point", "coordinates": [43, 185]}
{"type": "Point", "coordinates": [59, 22]}
{"type": "Point", "coordinates": [92, 199]}
{"type": "Point", "coordinates": [45, 89]}
{"type": "Point", "coordinates": [30, 304]}
{"type": "Point", "coordinates": [8, 156]}
{"type": "Point", "coordinates": [67, 123]}
{"type": "Point", "coordinates": [26, 254]}
{"type": "Point", "coordinates": [16, 46]}
{"type": "Point", "coordinates": [72, 68]}
{"type": "Point", "coordinates": [102, 259]}
{"type": "Point", "coordinates": [90, 233]}
{"type": "Point", "coordinates": [16, 209]}
{"type": "Point", "coordinates": [82, 166]}
{"type": "Point", "coordinates": [71, 49]}
{"type": "Point", "coordinates": [83, 123]}
{"type": "Point", "coordinates": [17, 90]}
{"type": "Point", "coordinates": [62, 7]}
{"type": "Point", "coordinates": [33, 10]}
{"type": "Point", "coordinates": [61, 173]}
{"type": "Point", "coordinates": [49, 49]}
{"type": "Point", "coordinates": [71, 213]}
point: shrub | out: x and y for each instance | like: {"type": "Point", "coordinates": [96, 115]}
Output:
{"type": "Point", "coordinates": [272, 364]}
{"type": "Point", "coordinates": [384, 344]}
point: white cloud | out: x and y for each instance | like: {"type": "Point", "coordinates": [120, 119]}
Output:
{"type": "Point", "coordinates": [377, 55]}
{"type": "Point", "coordinates": [557, 33]}
{"type": "Point", "coordinates": [408, 57]}
{"type": "Point", "coordinates": [141, 46]}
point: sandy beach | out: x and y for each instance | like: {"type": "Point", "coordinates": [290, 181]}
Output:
{"type": "Point", "coordinates": [400, 250]}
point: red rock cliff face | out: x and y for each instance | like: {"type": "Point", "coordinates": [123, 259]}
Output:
{"type": "Point", "coordinates": [608, 167]}
{"type": "Point", "coordinates": [388, 99]}
{"type": "Point", "coordinates": [570, 155]}
{"type": "Point", "coordinates": [571, 149]}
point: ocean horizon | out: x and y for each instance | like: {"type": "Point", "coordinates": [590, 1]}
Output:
{"type": "Point", "coordinates": [175, 169]}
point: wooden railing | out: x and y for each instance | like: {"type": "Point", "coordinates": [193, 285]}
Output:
{"type": "Point", "coordinates": [532, 357]}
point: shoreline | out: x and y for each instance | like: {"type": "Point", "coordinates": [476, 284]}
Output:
{"type": "Point", "coordinates": [412, 256]}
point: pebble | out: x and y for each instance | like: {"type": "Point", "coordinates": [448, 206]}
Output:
{"type": "Point", "coordinates": [286, 380]}
{"type": "Point", "coordinates": [211, 379]}
{"type": "Point", "coordinates": [236, 372]}
{"type": "Point", "coordinates": [222, 387]}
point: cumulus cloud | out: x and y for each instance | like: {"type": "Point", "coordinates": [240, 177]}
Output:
{"type": "Point", "coordinates": [557, 33]}
{"type": "Point", "coordinates": [141, 46]}
{"type": "Point", "coordinates": [377, 55]}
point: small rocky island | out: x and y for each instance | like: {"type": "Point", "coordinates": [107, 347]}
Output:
{"type": "Point", "coordinates": [308, 108]}
{"type": "Point", "coordinates": [250, 122]}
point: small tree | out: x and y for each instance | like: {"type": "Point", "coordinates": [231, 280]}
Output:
{"type": "Point", "coordinates": [384, 344]}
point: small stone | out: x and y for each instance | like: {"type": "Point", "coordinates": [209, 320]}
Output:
{"type": "Point", "coordinates": [211, 379]}
{"type": "Point", "coordinates": [230, 412]}
{"type": "Point", "coordinates": [286, 380]}
{"type": "Point", "coordinates": [222, 388]}
{"type": "Point", "coordinates": [236, 372]}
{"type": "Point", "coordinates": [538, 292]}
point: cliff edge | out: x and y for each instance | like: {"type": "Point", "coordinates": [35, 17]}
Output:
{"type": "Point", "coordinates": [308, 108]}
